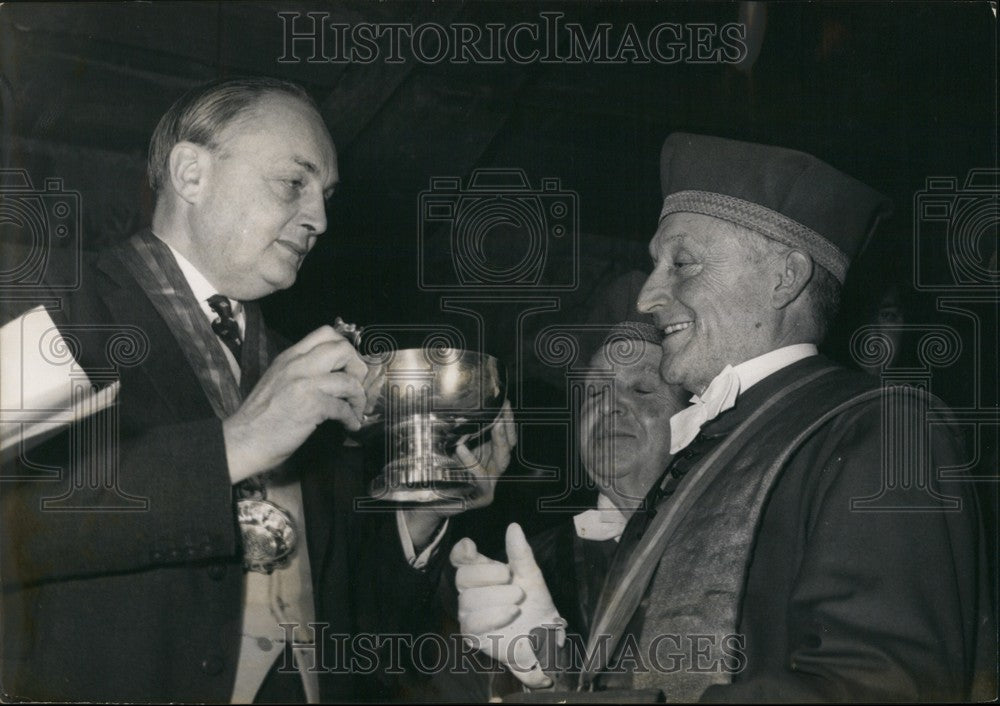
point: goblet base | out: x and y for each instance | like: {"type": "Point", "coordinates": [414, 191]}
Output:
{"type": "Point", "coordinates": [397, 485]}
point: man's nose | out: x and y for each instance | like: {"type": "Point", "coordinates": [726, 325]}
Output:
{"type": "Point", "coordinates": [313, 216]}
{"type": "Point", "coordinates": [610, 402]}
{"type": "Point", "coordinates": [653, 293]}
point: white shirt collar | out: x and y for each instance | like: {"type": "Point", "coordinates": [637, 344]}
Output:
{"type": "Point", "coordinates": [203, 289]}
{"type": "Point", "coordinates": [604, 522]}
{"type": "Point", "coordinates": [606, 503]}
{"type": "Point", "coordinates": [722, 393]}
{"type": "Point", "coordinates": [756, 369]}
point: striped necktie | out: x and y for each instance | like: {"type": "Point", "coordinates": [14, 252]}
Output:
{"type": "Point", "coordinates": [225, 326]}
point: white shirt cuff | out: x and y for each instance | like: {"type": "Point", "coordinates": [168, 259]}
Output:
{"type": "Point", "coordinates": [417, 562]}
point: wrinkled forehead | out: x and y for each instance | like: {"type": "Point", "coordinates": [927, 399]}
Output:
{"type": "Point", "coordinates": [682, 228]}
{"type": "Point", "coordinates": [279, 126]}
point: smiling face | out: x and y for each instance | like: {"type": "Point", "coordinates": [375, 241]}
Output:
{"type": "Point", "coordinates": [625, 422]}
{"type": "Point", "coordinates": [711, 294]}
{"type": "Point", "coordinates": [263, 202]}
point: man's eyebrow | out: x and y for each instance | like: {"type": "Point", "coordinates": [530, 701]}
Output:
{"type": "Point", "coordinates": [306, 164]}
{"type": "Point", "coordinates": [677, 240]}
{"type": "Point", "coordinates": [311, 167]}
{"type": "Point", "coordinates": [658, 242]}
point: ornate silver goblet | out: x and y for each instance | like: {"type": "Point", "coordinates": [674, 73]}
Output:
{"type": "Point", "coordinates": [422, 402]}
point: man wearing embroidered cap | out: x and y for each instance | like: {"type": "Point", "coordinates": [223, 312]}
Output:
{"type": "Point", "coordinates": [773, 565]}
{"type": "Point", "coordinates": [829, 601]}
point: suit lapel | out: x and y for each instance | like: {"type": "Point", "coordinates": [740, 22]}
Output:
{"type": "Point", "coordinates": [635, 565]}
{"type": "Point", "coordinates": [167, 370]}
{"type": "Point", "coordinates": [165, 366]}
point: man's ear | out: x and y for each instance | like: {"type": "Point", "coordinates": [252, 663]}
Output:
{"type": "Point", "coordinates": [796, 271]}
{"type": "Point", "coordinates": [188, 169]}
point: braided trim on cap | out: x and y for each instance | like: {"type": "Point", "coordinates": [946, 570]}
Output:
{"type": "Point", "coordinates": [763, 220]}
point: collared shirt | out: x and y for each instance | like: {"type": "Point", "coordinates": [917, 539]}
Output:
{"type": "Point", "coordinates": [724, 389]}
{"type": "Point", "coordinates": [285, 596]}
{"type": "Point", "coordinates": [600, 524]}
{"type": "Point", "coordinates": [409, 551]}
{"type": "Point", "coordinates": [756, 369]}
{"type": "Point", "coordinates": [607, 521]}
{"type": "Point", "coordinates": [203, 291]}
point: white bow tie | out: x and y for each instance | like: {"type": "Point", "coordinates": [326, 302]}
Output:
{"type": "Point", "coordinates": [720, 396]}
{"type": "Point", "coordinates": [606, 522]}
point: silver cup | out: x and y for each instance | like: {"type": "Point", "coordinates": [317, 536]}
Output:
{"type": "Point", "coordinates": [422, 402]}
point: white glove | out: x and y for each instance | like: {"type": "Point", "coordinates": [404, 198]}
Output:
{"type": "Point", "coordinates": [500, 604]}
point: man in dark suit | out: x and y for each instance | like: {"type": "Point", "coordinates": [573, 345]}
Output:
{"type": "Point", "coordinates": [219, 556]}
{"type": "Point", "coordinates": [801, 545]}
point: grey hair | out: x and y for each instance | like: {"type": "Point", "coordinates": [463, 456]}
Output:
{"type": "Point", "coordinates": [201, 114]}
{"type": "Point", "coordinates": [822, 291]}
{"type": "Point", "coordinates": [824, 295]}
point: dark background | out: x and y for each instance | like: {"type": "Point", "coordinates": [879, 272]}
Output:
{"type": "Point", "coordinates": [892, 93]}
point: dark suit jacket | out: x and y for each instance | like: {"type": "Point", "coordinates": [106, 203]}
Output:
{"type": "Point", "coordinates": [574, 571]}
{"type": "Point", "coordinates": [839, 604]}
{"type": "Point", "coordinates": [140, 605]}
{"type": "Point", "coordinates": [845, 604]}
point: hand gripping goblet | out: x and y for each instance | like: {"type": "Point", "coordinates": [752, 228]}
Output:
{"type": "Point", "coordinates": [423, 402]}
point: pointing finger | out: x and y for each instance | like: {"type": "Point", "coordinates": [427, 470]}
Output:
{"type": "Point", "coordinates": [519, 554]}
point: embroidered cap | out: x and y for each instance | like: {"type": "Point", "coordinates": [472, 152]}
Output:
{"type": "Point", "coordinates": [784, 195]}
